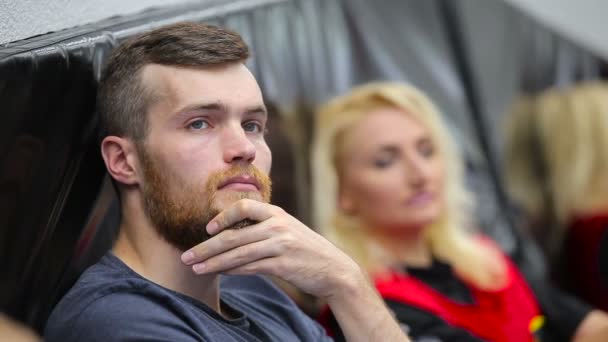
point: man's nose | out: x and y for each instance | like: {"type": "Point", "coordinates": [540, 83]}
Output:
{"type": "Point", "coordinates": [237, 147]}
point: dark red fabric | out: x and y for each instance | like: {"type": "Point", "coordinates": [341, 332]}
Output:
{"type": "Point", "coordinates": [500, 316]}
{"type": "Point", "coordinates": [503, 315]}
{"type": "Point", "coordinates": [325, 318]}
{"type": "Point", "coordinates": [582, 260]}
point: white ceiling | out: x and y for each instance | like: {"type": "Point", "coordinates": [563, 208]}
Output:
{"type": "Point", "coordinates": [585, 22]}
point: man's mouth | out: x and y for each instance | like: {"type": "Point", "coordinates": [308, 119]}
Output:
{"type": "Point", "coordinates": [240, 183]}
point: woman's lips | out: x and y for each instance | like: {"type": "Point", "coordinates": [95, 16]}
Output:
{"type": "Point", "coordinates": [420, 199]}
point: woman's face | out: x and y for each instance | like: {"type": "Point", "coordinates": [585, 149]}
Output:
{"type": "Point", "coordinates": [391, 174]}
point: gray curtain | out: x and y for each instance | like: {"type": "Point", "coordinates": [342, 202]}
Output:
{"type": "Point", "coordinates": [471, 56]}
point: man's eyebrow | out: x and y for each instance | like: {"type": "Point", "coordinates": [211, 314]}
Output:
{"type": "Point", "coordinates": [219, 107]}
{"type": "Point", "coordinates": [257, 110]}
{"type": "Point", "coordinates": [206, 107]}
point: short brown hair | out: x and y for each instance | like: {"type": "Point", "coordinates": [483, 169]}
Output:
{"type": "Point", "coordinates": [122, 100]}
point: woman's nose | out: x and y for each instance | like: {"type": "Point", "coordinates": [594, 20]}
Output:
{"type": "Point", "coordinates": [416, 176]}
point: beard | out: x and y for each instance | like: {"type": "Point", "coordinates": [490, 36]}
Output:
{"type": "Point", "coordinates": [180, 210]}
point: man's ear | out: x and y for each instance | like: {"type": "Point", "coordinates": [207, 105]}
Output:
{"type": "Point", "coordinates": [120, 157]}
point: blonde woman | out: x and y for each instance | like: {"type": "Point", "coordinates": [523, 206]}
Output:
{"type": "Point", "coordinates": [556, 161]}
{"type": "Point", "coordinates": [389, 190]}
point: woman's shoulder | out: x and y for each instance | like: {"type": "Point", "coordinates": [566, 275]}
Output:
{"type": "Point", "coordinates": [499, 269]}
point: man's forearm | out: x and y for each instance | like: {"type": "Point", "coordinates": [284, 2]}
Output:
{"type": "Point", "coordinates": [362, 314]}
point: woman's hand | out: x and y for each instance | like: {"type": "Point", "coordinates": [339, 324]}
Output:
{"type": "Point", "coordinates": [594, 328]}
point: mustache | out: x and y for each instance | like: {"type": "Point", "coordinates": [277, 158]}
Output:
{"type": "Point", "coordinates": [262, 180]}
{"type": "Point", "coordinates": [219, 177]}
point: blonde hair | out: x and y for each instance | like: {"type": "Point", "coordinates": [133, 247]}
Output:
{"type": "Point", "coordinates": [559, 139]}
{"type": "Point", "coordinates": [448, 238]}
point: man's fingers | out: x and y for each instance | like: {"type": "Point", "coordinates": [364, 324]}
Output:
{"type": "Point", "coordinates": [237, 257]}
{"type": "Point", "coordinates": [269, 266]}
{"type": "Point", "coordinates": [225, 241]}
{"type": "Point", "coordinates": [238, 211]}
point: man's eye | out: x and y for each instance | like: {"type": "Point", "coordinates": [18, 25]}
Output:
{"type": "Point", "coordinates": [252, 127]}
{"type": "Point", "coordinates": [198, 124]}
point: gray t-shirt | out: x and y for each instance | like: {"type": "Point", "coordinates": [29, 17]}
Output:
{"type": "Point", "coordinates": [110, 302]}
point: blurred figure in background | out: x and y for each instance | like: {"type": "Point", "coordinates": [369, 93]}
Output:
{"type": "Point", "coordinates": [556, 159]}
{"type": "Point", "coordinates": [389, 190]}
{"type": "Point", "coordinates": [14, 331]}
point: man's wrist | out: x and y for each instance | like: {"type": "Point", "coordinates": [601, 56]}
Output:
{"type": "Point", "coordinates": [348, 286]}
{"type": "Point", "coordinates": [361, 312]}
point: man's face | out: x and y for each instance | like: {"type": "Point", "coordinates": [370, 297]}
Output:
{"type": "Point", "coordinates": [204, 150]}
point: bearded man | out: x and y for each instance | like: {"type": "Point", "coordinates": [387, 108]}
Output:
{"type": "Point", "coordinates": [183, 125]}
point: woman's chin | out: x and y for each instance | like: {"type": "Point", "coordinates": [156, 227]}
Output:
{"type": "Point", "coordinates": [412, 221]}
{"type": "Point", "coordinates": [410, 227]}
{"type": "Point", "coordinates": [420, 224]}
{"type": "Point", "coordinates": [421, 218]}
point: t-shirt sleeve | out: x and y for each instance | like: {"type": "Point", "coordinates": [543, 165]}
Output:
{"type": "Point", "coordinates": [123, 317]}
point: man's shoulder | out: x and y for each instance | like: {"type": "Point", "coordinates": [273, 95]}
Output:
{"type": "Point", "coordinates": [105, 280]}
{"type": "Point", "coordinates": [111, 302]}
{"type": "Point", "coordinates": [107, 300]}
{"type": "Point", "coordinates": [111, 316]}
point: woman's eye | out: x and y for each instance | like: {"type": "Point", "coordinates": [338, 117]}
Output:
{"type": "Point", "coordinates": [198, 124]}
{"type": "Point", "coordinates": [382, 163]}
{"type": "Point", "coordinates": [252, 127]}
{"type": "Point", "coordinates": [426, 149]}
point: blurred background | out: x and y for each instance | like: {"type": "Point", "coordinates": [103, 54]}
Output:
{"type": "Point", "coordinates": [474, 58]}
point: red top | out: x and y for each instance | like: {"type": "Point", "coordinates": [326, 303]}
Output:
{"type": "Point", "coordinates": [582, 259]}
{"type": "Point", "coordinates": [500, 316]}
{"type": "Point", "coordinates": [510, 314]}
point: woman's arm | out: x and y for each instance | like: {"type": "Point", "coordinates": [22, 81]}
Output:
{"type": "Point", "coordinates": [593, 328]}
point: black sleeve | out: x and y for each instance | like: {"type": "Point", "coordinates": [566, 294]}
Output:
{"type": "Point", "coordinates": [563, 313]}
{"type": "Point", "coordinates": [603, 260]}
{"type": "Point", "coordinates": [424, 326]}
{"type": "Point", "coordinates": [335, 329]}
{"type": "Point", "coordinates": [420, 325]}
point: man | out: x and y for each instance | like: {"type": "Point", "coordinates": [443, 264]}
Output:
{"type": "Point", "coordinates": [183, 139]}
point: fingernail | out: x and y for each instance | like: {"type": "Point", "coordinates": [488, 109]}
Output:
{"type": "Point", "coordinates": [211, 227]}
{"type": "Point", "coordinates": [199, 268]}
{"type": "Point", "coordinates": [187, 257]}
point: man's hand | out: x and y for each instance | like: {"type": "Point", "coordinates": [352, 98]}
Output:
{"type": "Point", "coordinates": [282, 246]}
{"type": "Point", "coordinates": [278, 245]}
